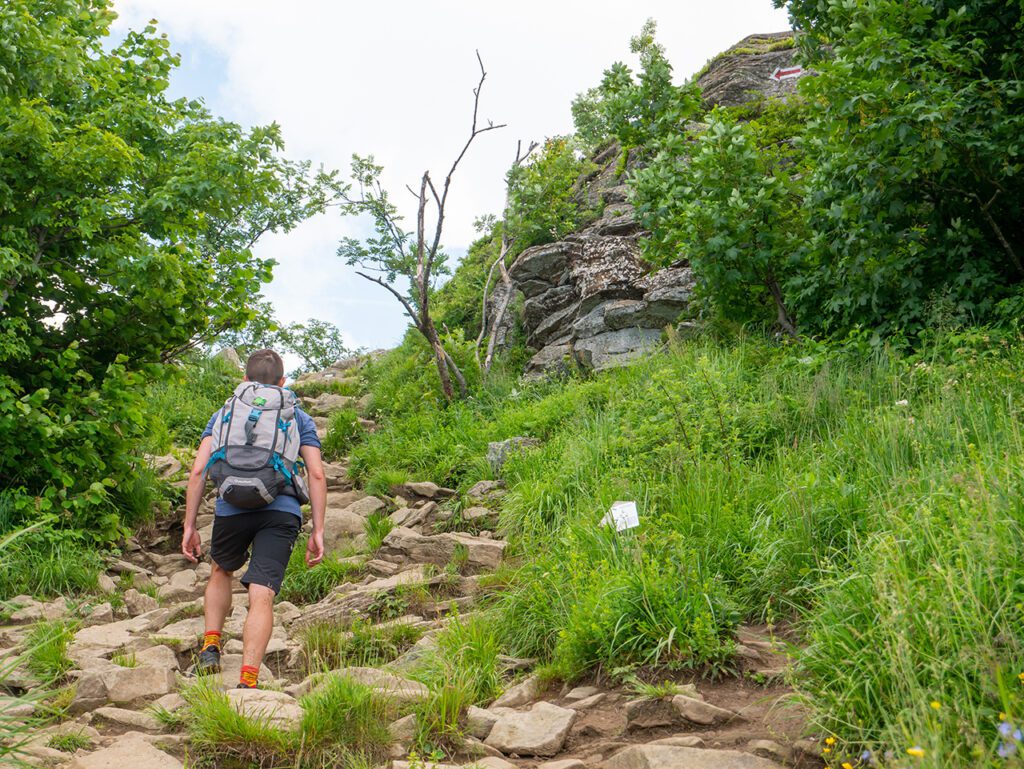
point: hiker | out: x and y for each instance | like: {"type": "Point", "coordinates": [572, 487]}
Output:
{"type": "Point", "coordinates": [251, 450]}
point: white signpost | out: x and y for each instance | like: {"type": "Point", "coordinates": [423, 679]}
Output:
{"type": "Point", "coordinates": [785, 73]}
{"type": "Point", "coordinates": [622, 516]}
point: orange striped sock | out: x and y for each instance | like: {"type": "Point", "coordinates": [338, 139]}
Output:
{"type": "Point", "coordinates": [211, 638]}
{"type": "Point", "coordinates": [250, 675]}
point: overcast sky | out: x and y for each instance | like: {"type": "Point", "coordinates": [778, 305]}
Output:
{"type": "Point", "coordinates": [394, 79]}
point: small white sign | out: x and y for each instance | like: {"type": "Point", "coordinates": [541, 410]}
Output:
{"type": "Point", "coordinates": [623, 515]}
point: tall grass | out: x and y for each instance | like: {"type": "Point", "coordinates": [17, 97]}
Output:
{"type": "Point", "coordinates": [305, 585]}
{"type": "Point", "coordinates": [866, 496]}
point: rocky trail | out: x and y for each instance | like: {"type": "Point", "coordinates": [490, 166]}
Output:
{"type": "Point", "coordinates": [134, 651]}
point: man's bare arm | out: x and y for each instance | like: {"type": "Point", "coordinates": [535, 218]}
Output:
{"type": "Point", "coordinates": [317, 502]}
{"type": "Point", "coordinates": [191, 546]}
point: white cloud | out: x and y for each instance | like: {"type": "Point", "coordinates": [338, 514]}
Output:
{"type": "Point", "coordinates": [394, 79]}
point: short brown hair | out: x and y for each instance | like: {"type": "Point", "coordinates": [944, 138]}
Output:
{"type": "Point", "coordinates": [265, 367]}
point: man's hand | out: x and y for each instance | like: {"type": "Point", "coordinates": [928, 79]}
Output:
{"type": "Point", "coordinates": [315, 548]}
{"type": "Point", "coordinates": [191, 545]}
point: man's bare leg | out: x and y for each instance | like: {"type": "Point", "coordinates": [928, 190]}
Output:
{"type": "Point", "coordinates": [258, 626]}
{"type": "Point", "coordinates": [217, 599]}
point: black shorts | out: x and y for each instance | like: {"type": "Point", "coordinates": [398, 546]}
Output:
{"type": "Point", "coordinates": [270, 533]}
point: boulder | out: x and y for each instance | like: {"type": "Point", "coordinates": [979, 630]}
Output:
{"type": "Point", "coordinates": [700, 712]}
{"type": "Point", "coordinates": [438, 549]}
{"type": "Point", "coordinates": [479, 516]}
{"type": "Point", "coordinates": [138, 603]}
{"type": "Point", "coordinates": [743, 73]}
{"type": "Point", "coordinates": [336, 475]}
{"type": "Point", "coordinates": [539, 731]}
{"type": "Point", "coordinates": [479, 722]}
{"type": "Point", "coordinates": [230, 356]}
{"type": "Point", "coordinates": [366, 506]}
{"type": "Point", "coordinates": [327, 403]}
{"type": "Point", "coordinates": [280, 709]}
{"type": "Point", "coordinates": [131, 684]}
{"type": "Point", "coordinates": [106, 583]}
{"type": "Point", "coordinates": [526, 691]}
{"type": "Point", "coordinates": [582, 692]}
{"type": "Point", "coordinates": [588, 702]}
{"type": "Point", "coordinates": [408, 517]}
{"type": "Point", "coordinates": [132, 719]}
{"type": "Point", "coordinates": [100, 615]}
{"type": "Point", "coordinates": [132, 750]}
{"type": "Point", "coordinates": [341, 526]}
{"type": "Point", "coordinates": [676, 757]}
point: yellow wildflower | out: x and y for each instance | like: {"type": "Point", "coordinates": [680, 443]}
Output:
{"type": "Point", "coordinates": [916, 752]}
{"type": "Point", "coordinates": [830, 740]}
{"type": "Point", "coordinates": [847, 765]}
{"type": "Point", "coordinates": [936, 704]}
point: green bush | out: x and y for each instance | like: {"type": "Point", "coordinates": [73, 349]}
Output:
{"type": "Point", "coordinates": [343, 431]}
{"type": "Point", "coordinates": [47, 649]}
{"type": "Point", "coordinates": [329, 647]}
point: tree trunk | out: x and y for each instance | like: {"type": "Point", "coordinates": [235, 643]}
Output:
{"type": "Point", "coordinates": [783, 318]}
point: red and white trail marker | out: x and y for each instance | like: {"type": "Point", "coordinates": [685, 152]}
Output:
{"type": "Point", "coordinates": [784, 73]}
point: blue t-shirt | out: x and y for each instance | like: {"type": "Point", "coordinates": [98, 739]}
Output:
{"type": "Point", "coordinates": [285, 502]}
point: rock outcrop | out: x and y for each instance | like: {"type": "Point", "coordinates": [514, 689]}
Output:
{"type": "Point", "coordinates": [590, 300]}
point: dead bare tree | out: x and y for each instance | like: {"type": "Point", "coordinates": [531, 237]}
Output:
{"type": "Point", "coordinates": [506, 244]}
{"type": "Point", "coordinates": [393, 252]}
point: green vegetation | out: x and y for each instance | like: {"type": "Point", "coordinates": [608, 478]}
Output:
{"type": "Point", "coordinates": [304, 585]}
{"type": "Point", "coordinates": [69, 742]}
{"type": "Point", "coordinates": [343, 724]}
{"type": "Point", "coordinates": [343, 430]}
{"type": "Point", "coordinates": [125, 659]}
{"type": "Point", "coordinates": [46, 649]}
{"type": "Point", "coordinates": [859, 494]}
{"type": "Point", "coordinates": [462, 671]}
{"type": "Point", "coordinates": [378, 526]}
{"type": "Point", "coordinates": [329, 647]}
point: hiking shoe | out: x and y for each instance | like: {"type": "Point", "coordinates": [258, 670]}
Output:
{"type": "Point", "coordinates": [245, 686]}
{"type": "Point", "coordinates": [209, 661]}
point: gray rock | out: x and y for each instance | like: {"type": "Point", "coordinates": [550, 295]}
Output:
{"type": "Point", "coordinates": [700, 712]}
{"type": "Point", "coordinates": [770, 749]}
{"type": "Point", "coordinates": [588, 702]}
{"type": "Point", "coordinates": [539, 731]}
{"type": "Point", "coordinates": [479, 722]}
{"type": "Point", "coordinates": [484, 492]}
{"type": "Point", "coordinates": [616, 348]}
{"type": "Point", "coordinates": [734, 78]}
{"type": "Point", "coordinates": [138, 603]}
{"type": "Point", "coordinates": [565, 763]}
{"type": "Point", "coordinates": [405, 543]}
{"type": "Point", "coordinates": [132, 750]}
{"type": "Point", "coordinates": [106, 583]}
{"type": "Point", "coordinates": [278, 708]}
{"type": "Point", "coordinates": [230, 356]}
{"type": "Point", "coordinates": [526, 691]}
{"type": "Point", "coordinates": [131, 684]}
{"type": "Point", "coordinates": [133, 719]}
{"type": "Point", "coordinates": [327, 403]}
{"type": "Point", "coordinates": [498, 452]}
{"type": "Point", "coordinates": [650, 713]}
{"type": "Point", "coordinates": [653, 756]}
{"type": "Point", "coordinates": [426, 490]}
{"type": "Point", "coordinates": [582, 692]}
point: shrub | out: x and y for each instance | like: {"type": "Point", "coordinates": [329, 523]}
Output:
{"type": "Point", "coordinates": [343, 430]}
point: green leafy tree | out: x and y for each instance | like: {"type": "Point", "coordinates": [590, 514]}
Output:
{"type": "Point", "coordinates": [635, 110]}
{"type": "Point", "coordinates": [317, 342]}
{"type": "Point", "coordinates": [127, 221]}
{"type": "Point", "coordinates": [729, 201]}
{"type": "Point", "coordinates": [916, 142]}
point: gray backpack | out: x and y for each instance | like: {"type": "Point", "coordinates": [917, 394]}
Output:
{"type": "Point", "coordinates": [256, 447]}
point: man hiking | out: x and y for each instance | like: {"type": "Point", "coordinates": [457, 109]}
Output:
{"type": "Point", "coordinates": [251, 450]}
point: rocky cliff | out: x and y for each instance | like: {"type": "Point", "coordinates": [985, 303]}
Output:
{"type": "Point", "coordinates": [590, 299]}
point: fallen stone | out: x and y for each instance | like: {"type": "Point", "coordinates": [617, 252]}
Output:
{"type": "Point", "coordinates": [287, 612]}
{"type": "Point", "coordinates": [523, 693]}
{"type": "Point", "coordinates": [425, 490]}
{"type": "Point", "coordinates": [133, 719]}
{"type": "Point", "coordinates": [278, 708]}
{"type": "Point", "coordinates": [680, 740]}
{"type": "Point", "coordinates": [700, 712]}
{"type": "Point", "coordinates": [185, 578]}
{"type": "Point", "coordinates": [675, 757]}
{"type": "Point", "coordinates": [169, 702]}
{"type": "Point", "coordinates": [479, 515]}
{"type": "Point", "coordinates": [473, 747]}
{"type": "Point", "coordinates": [650, 713]}
{"type": "Point", "coordinates": [106, 583]}
{"type": "Point", "coordinates": [341, 526]}
{"type": "Point", "coordinates": [129, 750]}
{"type": "Point", "coordinates": [408, 517]}
{"type": "Point", "coordinates": [139, 603]}
{"type": "Point", "coordinates": [342, 499]}
{"type": "Point", "coordinates": [479, 722]}
{"type": "Point", "coordinates": [404, 729]}
{"type": "Point", "coordinates": [327, 403]}
{"type": "Point", "coordinates": [485, 554]}
{"type": "Point", "coordinates": [165, 466]}
{"type": "Point", "coordinates": [539, 731]}
{"type": "Point", "coordinates": [582, 692]}
{"type": "Point", "coordinates": [366, 506]}
{"type": "Point", "coordinates": [588, 702]}
{"type": "Point", "coordinates": [770, 749]}
{"type": "Point", "coordinates": [100, 615]}
{"type": "Point", "coordinates": [90, 693]}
